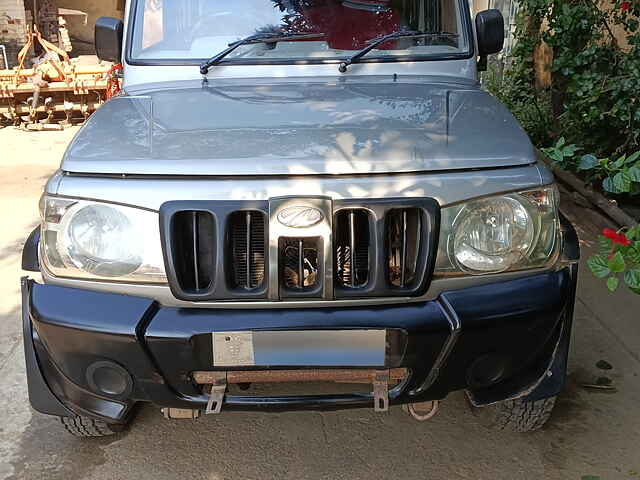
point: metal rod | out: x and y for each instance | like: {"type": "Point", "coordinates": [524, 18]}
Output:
{"type": "Point", "coordinates": [352, 246]}
{"type": "Point", "coordinates": [403, 260]}
{"type": "Point", "coordinates": [248, 217]}
{"type": "Point", "coordinates": [320, 375]}
{"type": "Point", "coordinates": [300, 264]}
{"type": "Point", "coordinates": [194, 224]}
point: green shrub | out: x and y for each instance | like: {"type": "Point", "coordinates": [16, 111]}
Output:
{"type": "Point", "coordinates": [594, 100]}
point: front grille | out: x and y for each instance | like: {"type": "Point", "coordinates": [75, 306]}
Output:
{"type": "Point", "coordinates": [247, 246]}
{"type": "Point", "coordinates": [238, 250]}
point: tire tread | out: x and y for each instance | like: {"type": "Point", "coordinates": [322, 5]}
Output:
{"type": "Point", "coordinates": [522, 416]}
{"type": "Point", "coordinates": [517, 415]}
{"type": "Point", "coordinates": [87, 427]}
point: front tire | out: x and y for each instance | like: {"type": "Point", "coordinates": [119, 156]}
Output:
{"type": "Point", "coordinates": [84, 427]}
{"type": "Point", "coordinates": [518, 415]}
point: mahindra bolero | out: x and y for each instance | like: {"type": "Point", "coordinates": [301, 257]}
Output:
{"type": "Point", "coordinates": [298, 205]}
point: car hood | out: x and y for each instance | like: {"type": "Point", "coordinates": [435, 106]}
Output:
{"type": "Point", "coordinates": [299, 128]}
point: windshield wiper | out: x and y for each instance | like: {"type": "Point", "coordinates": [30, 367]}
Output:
{"type": "Point", "coordinates": [373, 43]}
{"type": "Point", "coordinates": [271, 37]}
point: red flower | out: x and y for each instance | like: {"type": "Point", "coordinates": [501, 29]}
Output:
{"type": "Point", "coordinates": [624, 6]}
{"type": "Point", "coordinates": [615, 237]}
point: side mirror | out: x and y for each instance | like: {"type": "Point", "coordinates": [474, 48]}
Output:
{"type": "Point", "coordinates": [490, 33]}
{"type": "Point", "coordinates": [108, 38]}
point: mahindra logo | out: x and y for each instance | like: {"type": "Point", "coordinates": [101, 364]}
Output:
{"type": "Point", "coordinates": [300, 217]}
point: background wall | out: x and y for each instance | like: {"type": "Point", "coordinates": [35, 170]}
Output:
{"type": "Point", "coordinates": [94, 9]}
{"type": "Point", "coordinates": [12, 28]}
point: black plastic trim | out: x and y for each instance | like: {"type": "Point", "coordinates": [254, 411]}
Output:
{"type": "Point", "coordinates": [40, 395]}
{"type": "Point", "coordinates": [30, 258]}
{"type": "Point", "coordinates": [253, 176]}
{"type": "Point", "coordinates": [556, 374]}
{"type": "Point", "coordinates": [570, 241]}
{"type": "Point", "coordinates": [378, 209]}
{"type": "Point", "coordinates": [219, 288]}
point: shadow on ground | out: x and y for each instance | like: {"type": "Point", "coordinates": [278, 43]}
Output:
{"type": "Point", "coordinates": [301, 445]}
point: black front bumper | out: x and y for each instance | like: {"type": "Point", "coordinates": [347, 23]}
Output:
{"type": "Point", "coordinates": [524, 324]}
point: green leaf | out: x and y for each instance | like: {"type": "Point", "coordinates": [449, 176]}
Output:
{"type": "Point", "coordinates": [622, 181]}
{"type": "Point", "coordinates": [556, 156]}
{"type": "Point", "coordinates": [587, 162]}
{"type": "Point", "coordinates": [561, 142]}
{"type": "Point", "coordinates": [634, 174]}
{"type": "Point", "coordinates": [609, 186]}
{"type": "Point", "coordinates": [632, 277]}
{"type": "Point", "coordinates": [620, 162]}
{"type": "Point", "coordinates": [604, 245]}
{"type": "Point", "coordinates": [616, 263]}
{"type": "Point", "coordinates": [599, 266]}
{"type": "Point", "coordinates": [633, 253]}
{"type": "Point", "coordinates": [612, 283]}
{"type": "Point", "coordinates": [633, 157]}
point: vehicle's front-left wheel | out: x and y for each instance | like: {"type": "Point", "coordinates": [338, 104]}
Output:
{"type": "Point", "coordinates": [88, 427]}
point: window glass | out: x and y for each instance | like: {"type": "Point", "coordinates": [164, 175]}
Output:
{"type": "Point", "coordinates": [198, 29]}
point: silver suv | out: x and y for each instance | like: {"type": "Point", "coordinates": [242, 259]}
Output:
{"type": "Point", "coordinates": [299, 204]}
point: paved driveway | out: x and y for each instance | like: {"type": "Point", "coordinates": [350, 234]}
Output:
{"type": "Point", "coordinates": [590, 434]}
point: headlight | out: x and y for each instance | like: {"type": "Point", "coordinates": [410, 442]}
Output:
{"type": "Point", "coordinates": [101, 241]}
{"type": "Point", "coordinates": [507, 232]}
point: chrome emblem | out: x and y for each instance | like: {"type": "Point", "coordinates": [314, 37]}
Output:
{"type": "Point", "coordinates": [300, 217]}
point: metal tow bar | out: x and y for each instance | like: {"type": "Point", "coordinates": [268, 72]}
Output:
{"type": "Point", "coordinates": [380, 379]}
{"type": "Point", "coordinates": [218, 389]}
{"type": "Point", "coordinates": [381, 391]}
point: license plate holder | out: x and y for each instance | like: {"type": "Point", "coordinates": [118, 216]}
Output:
{"type": "Point", "coordinates": [310, 348]}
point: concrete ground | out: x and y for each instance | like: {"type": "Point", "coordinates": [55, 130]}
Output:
{"type": "Point", "coordinates": [591, 434]}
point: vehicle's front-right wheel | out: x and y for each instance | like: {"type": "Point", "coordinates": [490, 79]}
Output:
{"type": "Point", "coordinates": [88, 427]}
{"type": "Point", "coordinates": [518, 415]}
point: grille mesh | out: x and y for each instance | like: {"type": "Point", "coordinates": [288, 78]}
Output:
{"type": "Point", "coordinates": [247, 249]}
{"type": "Point", "coordinates": [403, 245]}
{"type": "Point", "coordinates": [352, 248]}
{"type": "Point", "coordinates": [299, 270]}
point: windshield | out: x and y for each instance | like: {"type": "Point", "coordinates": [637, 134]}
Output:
{"type": "Point", "coordinates": [194, 30]}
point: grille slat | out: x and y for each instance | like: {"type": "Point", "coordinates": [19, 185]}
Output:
{"type": "Point", "coordinates": [352, 245]}
{"type": "Point", "coordinates": [194, 234]}
{"type": "Point", "coordinates": [248, 256]}
{"type": "Point", "coordinates": [403, 261]}
{"type": "Point", "coordinates": [300, 264]}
